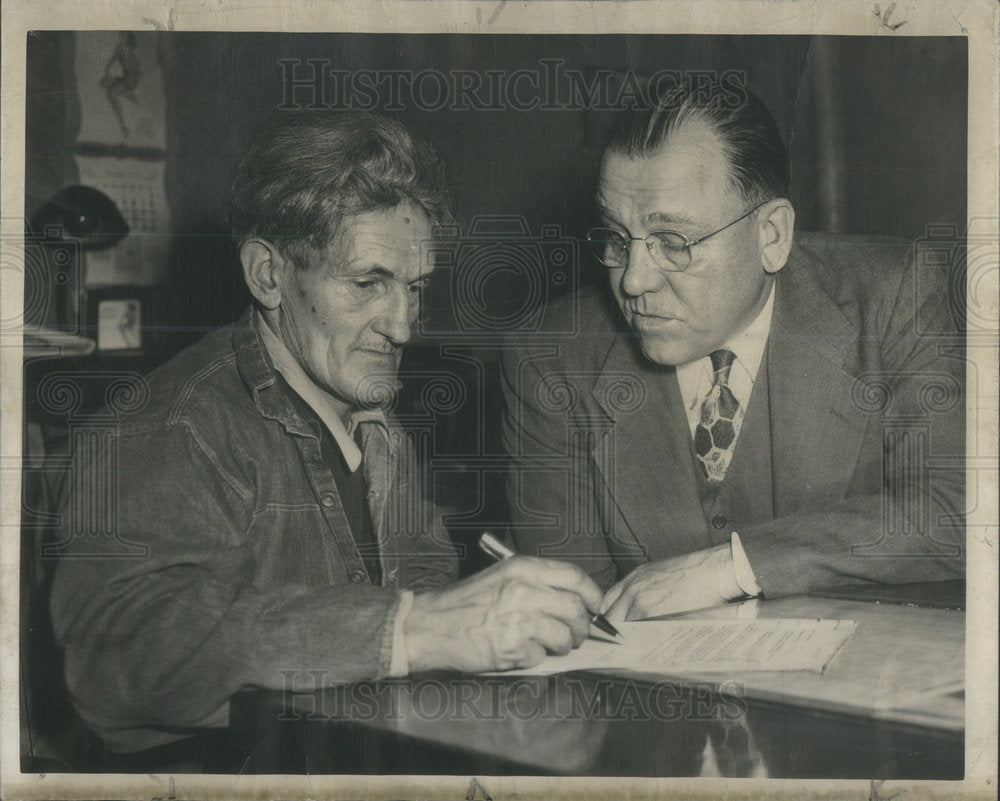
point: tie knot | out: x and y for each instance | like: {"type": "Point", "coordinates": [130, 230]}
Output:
{"type": "Point", "coordinates": [722, 363]}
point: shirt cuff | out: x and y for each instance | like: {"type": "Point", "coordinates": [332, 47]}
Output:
{"type": "Point", "coordinates": [745, 577]}
{"type": "Point", "coordinates": [399, 663]}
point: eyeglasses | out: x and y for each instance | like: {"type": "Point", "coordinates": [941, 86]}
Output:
{"type": "Point", "coordinates": [669, 249]}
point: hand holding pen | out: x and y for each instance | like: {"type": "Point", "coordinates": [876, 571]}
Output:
{"type": "Point", "coordinates": [511, 615]}
{"type": "Point", "coordinates": [499, 551]}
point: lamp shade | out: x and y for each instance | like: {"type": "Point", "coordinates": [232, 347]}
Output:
{"type": "Point", "coordinates": [81, 213]}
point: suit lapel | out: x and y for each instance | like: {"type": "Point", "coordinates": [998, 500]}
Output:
{"type": "Point", "coordinates": [649, 475]}
{"type": "Point", "coordinates": [810, 394]}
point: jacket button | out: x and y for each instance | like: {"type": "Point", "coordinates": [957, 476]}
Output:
{"type": "Point", "coordinates": [356, 577]}
{"type": "Point", "coordinates": [328, 500]}
{"type": "Point", "coordinates": [719, 521]}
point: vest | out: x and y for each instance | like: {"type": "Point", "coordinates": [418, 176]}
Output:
{"type": "Point", "coordinates": [749, 471]}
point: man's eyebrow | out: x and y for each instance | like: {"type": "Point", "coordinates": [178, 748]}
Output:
{"type": "Point", "coordinates": [371, 269]}
{"type": "Point", "coordinates": [669, 219]}
{"type": "Point", "coordinates": [606, 213]}
{"type": "Point", "coordinates": [655, 217]}
{"type": "Point", "coordinates": [379, 271]}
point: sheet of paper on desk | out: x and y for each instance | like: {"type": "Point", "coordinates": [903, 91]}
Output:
{"type": "Point", "coordinates": [677, 646]}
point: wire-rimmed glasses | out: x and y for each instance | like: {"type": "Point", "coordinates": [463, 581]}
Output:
{"type": "Point", "coordinates": [669, 249]}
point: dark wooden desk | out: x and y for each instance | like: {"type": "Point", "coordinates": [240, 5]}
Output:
{"type": "Point", "coordinates": [890, 705]}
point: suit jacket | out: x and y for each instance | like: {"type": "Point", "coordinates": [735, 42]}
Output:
{"type": "Point", "coordinates": [222, 557]}
{"type": "Point", "coordinates": [849, 467]}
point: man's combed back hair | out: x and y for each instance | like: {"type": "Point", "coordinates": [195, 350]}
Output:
{"type": "Point", "coordinates": [749, 134]}
{"type": "Point", "coordinates": [305, 172]}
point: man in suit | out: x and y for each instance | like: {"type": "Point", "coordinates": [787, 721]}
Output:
{"type": "Point", "coordinates": [751, 412]}
{"type": "Point", "coordinates": [262, 515]}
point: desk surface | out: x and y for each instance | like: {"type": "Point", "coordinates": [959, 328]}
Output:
{"type": "Point", "coordinates": [889, 705]}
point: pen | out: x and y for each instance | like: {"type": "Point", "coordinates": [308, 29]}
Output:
{"type": "Point", "coordinates": [500, 551]}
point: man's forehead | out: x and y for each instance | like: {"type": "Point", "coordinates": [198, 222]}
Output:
{"type": "Point", "coordinates": [392, 237]}
{"type": "Point", "coordinates": [691, 161]}
{"type": "Point", "coordinates": [398, 225]}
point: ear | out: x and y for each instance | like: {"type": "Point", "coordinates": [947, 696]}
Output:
{"type": "Point", "coordinates": [262, 264]}
{"type": "Point", "coordinates": [777, 225]}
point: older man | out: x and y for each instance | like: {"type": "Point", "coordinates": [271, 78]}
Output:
{"type": "Point", "coordinates": [744, 415]}
{"type": "Point", "coordinates": [278, 505]}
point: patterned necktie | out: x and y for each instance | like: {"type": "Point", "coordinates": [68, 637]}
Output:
{"type": "Point", "coordinates": [721, 418]}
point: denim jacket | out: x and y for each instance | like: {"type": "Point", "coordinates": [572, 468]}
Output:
{"type": "Point", "coordinates": [221, 558]}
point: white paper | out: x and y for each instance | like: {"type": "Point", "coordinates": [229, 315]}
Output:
{"type": "Point", "coordinates": [679, 646]}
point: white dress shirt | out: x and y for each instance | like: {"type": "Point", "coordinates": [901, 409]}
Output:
{"type": "Point", "coordinates": [695, 379]}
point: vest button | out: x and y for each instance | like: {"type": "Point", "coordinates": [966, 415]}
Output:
{"type": "Point", "coordinates": [356, 577]}
{"type": "Point", "coordinates": [719, 521]}
{"type": "Point", "coordinates": [328, 500]}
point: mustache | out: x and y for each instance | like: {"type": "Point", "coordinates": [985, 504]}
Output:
{"type": "Point", "coordinates": [643, 306]}
{"type": "Point", "coordinates": [385, 348]}
{"type": "Point", "coordinates": [636, 306]}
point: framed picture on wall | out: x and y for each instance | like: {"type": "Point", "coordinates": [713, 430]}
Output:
{"type": "Point", "coordinates": [115, 317]}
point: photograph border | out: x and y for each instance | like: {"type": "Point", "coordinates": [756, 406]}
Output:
{"type": "Point", "coordinates": [977, 21]}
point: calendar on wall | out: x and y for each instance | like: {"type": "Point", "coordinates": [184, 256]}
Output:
{"type": "Point", "coordinates": [136, 186]}
{"type": "Point", "coordinates": [120, 150]}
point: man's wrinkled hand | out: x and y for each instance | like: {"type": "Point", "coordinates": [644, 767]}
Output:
{"type": "Point", "coordinates": [692, 581]}
{"type": "Point", "coordinates": [508, 616]}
